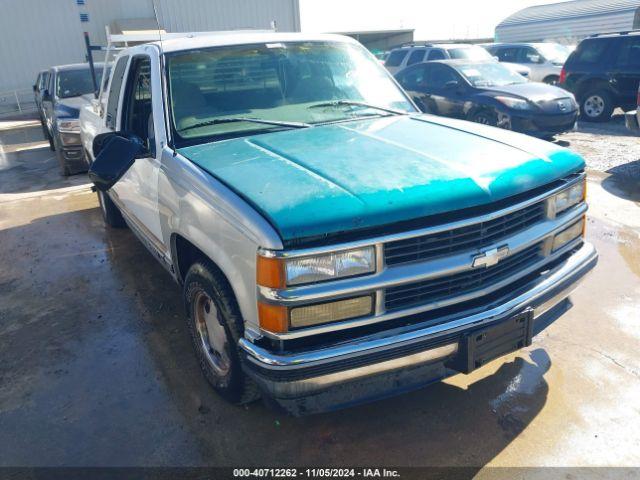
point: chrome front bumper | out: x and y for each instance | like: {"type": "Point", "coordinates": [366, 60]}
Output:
{"type": "Point", "coordinates": [412, 350]}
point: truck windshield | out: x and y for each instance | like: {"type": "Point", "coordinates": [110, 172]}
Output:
{"type": "Point", "coordinates": [74, 83]}
{"type": "Point", "coordinates": [295, 82]}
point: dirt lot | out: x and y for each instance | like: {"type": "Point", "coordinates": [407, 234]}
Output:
{"type": "Point", "coordinates": [96, 368]}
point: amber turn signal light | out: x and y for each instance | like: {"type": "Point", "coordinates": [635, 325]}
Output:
{"type": "Point", "coordinates": [273, 318]}
{"type": "Point", "coordinates": [270, 272]}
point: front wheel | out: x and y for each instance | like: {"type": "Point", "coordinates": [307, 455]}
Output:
{"type": "Point", "coordinates": [596, 106]}
{"type": "Point", "coordinates": [47, 136]}
{"type": "Point", "coordinates": [216, 326]}
{"type": "Point", "coordinates": [485, 117]}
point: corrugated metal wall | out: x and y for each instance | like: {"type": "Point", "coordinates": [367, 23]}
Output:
{"type": "Point", "coordinates": [35, 34]}
{"type": "Point", "coordinates": [570, 21]}
{"type": "Point", "coordinates": [565, 30]}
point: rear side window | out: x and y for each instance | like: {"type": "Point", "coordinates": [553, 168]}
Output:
{"type": "Point", "coordinates": [436, 55]}
{"type": "Point", "coordinates": [395, 58]}
{"type": "Point", "coordinates": [590, 51]}
{"type": "Point", "coordinates": [416, 57]}
{"type": "Point", "coordinates": [629, 53]}
{"type": "Point", "coordinates": [508, 54]}
{"type": "Point", "coordinates": [114, 92]}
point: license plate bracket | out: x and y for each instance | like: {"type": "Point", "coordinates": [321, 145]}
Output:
{"type": "Point", "coordinates": [480, 346]}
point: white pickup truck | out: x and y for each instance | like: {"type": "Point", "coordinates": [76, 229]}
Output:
{"type": "Point", "coordinates": [334, 245]}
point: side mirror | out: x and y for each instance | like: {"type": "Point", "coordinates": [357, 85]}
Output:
{"type": "Point", "coordinates": [114, 153]}
{"type": "Point", "coordinates": [35, 87]}
{"type": "Point", "coordinates": [46, 96]}
{"type": "Point", "coordinates": [535, 59]}
{"type": "Point", "coordinates": [452, 84]}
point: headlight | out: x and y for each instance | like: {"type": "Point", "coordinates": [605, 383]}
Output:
{"type": "Point", "coordinates": [516, 103]}
{"type": "Point", "coordinates": [568, 197]}
{"type": "Point", "coordinates": [332, 266]}
{"type": "Point", "coordinates": [273, 272]}
{"type": "Point", "coordinates": [70, 138]}
{"type": "Point", "coordinates": [69, 126]}
{"type": "Point", "coordinates": [279, 273]}
{"type": "Point", "coordinates": [568, 234]}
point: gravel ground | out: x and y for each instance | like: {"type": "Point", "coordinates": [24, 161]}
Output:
{"type": "Point", "coordinates": [607, 147]}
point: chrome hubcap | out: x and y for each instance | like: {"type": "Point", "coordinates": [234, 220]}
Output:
{"type": "Point", "coordinates": [212, 334]}
{"type": "Point", "coordinates": [594, 106]}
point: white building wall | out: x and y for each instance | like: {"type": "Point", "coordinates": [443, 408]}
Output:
{"type": "Point", "coordinates": [36, 34]}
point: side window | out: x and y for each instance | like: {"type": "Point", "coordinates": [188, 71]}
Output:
{"type": "Point", "coordinates": [50, 82]}
{"type": "Point", "coordinates": [413, 78]}
{"type": "Point", "coordinates": [528, 55]}
{"type": "Point", "coordinates": [629, 53]}
{"type": "Point", "coordinates": [38, 83]}
{"type": "Point", "coordinates": [114, 92]}
{"type": "Point", "coordinates": [439, 75]}
{"type": "Point", "coordinates": [436, 55]}
{"type": "Point", "coordinates": [416, 56]}
{"type": "Point", "coordinates": [509, 54]}
{"type": "Point", "coordinates": [590, 51]}
{"type": "Point", "coordinates": [395, 58]}
{"type": "Point", "coordinates": [137, 109]}
{"type": "Point", "coordinates": [44, 81]}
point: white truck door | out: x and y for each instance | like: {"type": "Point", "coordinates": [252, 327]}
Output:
{"type": "Point", "coordinates": [140, 112]}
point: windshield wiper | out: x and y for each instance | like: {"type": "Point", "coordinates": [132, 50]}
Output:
{"type": "Point", "coordinates": [219, 121]}
{"type": "Point", "coordinates": [354, 103]}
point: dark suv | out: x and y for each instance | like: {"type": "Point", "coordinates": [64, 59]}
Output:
{"type": "Point", "coordinates": [603, 73]}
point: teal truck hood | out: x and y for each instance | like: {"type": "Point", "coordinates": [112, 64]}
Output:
{"type": "Point", "coordinates": [335, 178]}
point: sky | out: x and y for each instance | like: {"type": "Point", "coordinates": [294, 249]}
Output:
{"type": "Point", "coordinates": [431, 19]}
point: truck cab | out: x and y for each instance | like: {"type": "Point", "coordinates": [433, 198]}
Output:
{"type": "Point", "coordinates": [333, 244]}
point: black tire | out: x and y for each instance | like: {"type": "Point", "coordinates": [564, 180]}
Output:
{"type": "Point", "coordinates": [110, 213]}
{"type": "Point", "coordinates": [596, 106]}
{"type": "Point", "coordinates": [45, 132]}
{"type": "Point", "coordinates": [219, 360]}
{"type": "Point", "coordinates": [485, 117]}
{"type": "Point", "coordinates": [64, 168]}
{"type": "Point", "coordinates": [551, 80]}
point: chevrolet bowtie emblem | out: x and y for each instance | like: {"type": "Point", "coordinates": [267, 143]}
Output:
{"type": "Point", "coordinates": [490, 257]}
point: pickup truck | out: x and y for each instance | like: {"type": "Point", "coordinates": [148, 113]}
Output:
{"type": "Point", "coordinates": [60, 103]}
{"type": "Point", "coordinates": [334, 245]}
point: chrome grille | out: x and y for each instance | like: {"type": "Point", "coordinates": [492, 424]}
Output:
{"type": "Point", "coordinates": [470, 237]}
{"type": "Point", "coordinates": [438, 289]}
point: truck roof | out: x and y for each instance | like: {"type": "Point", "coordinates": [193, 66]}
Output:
{"type": "Point", "coordinates": [75, 66]}
{"type": "Point", "coordinates": [215, 39]}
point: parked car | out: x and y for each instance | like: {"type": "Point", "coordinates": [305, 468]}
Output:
{"type": "Point", "coordinates": [42, 80]}
{"type": "Point", "coordinates": [545, 60]}
{"type": "Point", "coordinates": [489, 93]}
{"type": "Point", "coordinates": [604, 73]}
{"type": "Point", "coordinates": [39, 86]}
{"type": "Point", "coordinates": [403, 57]}
{"type": "Point", "coordinates": [61, 102]}
{"type": "Point", "coordinates": [334, 245]}
{"type": "Point", "coordinates": [632, 118]}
